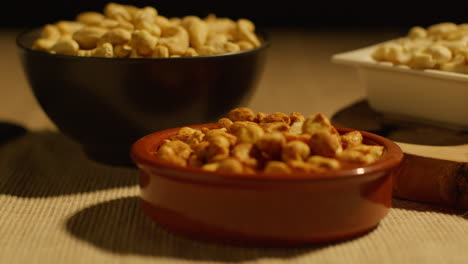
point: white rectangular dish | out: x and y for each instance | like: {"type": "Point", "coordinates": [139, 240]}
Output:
{"type": "Point", "coordinates": [429, 96]}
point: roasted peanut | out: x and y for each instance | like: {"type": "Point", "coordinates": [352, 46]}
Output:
{"type": "Point", "coordinates": [323, 163]}
{"type": "Point", "coordinates": [296, 128]}
{"type": "Point", "coordinates": [236, 125]}
{"type": "Point", "coordinates": [184, 134]}
{"type": "Point", "coordinates": [194, 161]}
{"type": "Point", "coordinates": [221, 132]}
{"type": "Point", "coordinates": [175, 152]}
{"type": "Point", "coordinates": [250, 133]}
{"type": "Point", "coordinates": [276, 117]}
{"type": "Point", "coordinates": [242, 152]}
{"type": "Point", "coordinates": [361, 154]}
{"type": "Point", "coordinates": [296, 117]}
{"type": "Point", "coordinates": [294, 136]}
{"type": "Point", "coordinates": [277, 167]}
{"type": "Point", "coordinates": [225, 122]}
{"type": "Point", "coordinates": [211, 166]}
{"type": "Point", "coordinates": [351, 139]}
{"type": "Point", "coordinates": [230, 165]}
{"type": "Point", "coordinates": [201, 151]}
{"type": "Point", "coordinates": [241, 114]}
{"type": "Point", "coordinates": [271, 144]}
{"type": "Point", "coordinates": [274, 126]}
{"type": "Point", "coordinates": [325, 144]}
{"type": "Point", "coordinates": [316, 123]}
{"type": "Point", "coordinates": [259, 117]}
{"type": "Point", "coordinates": [245, 147]}
{"type": "Point", "coordinates": [295, 150]}
{"type": "Point", "coordinates": [218, 148]}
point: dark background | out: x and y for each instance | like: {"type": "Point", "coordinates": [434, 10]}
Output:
{"type": "Point", "coordinates": [303, 14]}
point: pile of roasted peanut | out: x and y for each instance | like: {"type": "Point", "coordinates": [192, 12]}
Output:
{"type": "Point", "coordinates": [126, 31]}
{"type": "Point", "coordinates": [246, 142]}
{"type": "Point", "coordinates": [442, 46]}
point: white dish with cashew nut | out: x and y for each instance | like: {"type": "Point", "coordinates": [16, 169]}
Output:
{"type": "Point", "coordinates": [422, 77]}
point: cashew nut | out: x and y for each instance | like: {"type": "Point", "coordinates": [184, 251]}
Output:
{"type": "Point", "coordinates": [143, 42]}
{"type": "Point", "coordinates": [104, 50]}
{"type": "Point", "coordinates": [245, 30]}
{"type": "Point", "coordinates": [116, 36]}
{"type": "Point", "coordinates": [122, 51]}
{"type": "Point", "coordinates": [142, 29]}
{"type": "Point", "coordinates": [87, 37]}
{"type": "Point", "coordinates": [197, 29]}
{"type": "Point", "coordinates": [68, 27]}
{"type": "Point", "coordinates": [65, 46]}
{"type": "Point", "coordinates": [176, 39]}
{"type": "Point", "coordinates": [90, 18]}
{"type": "Point", "coordinates": [160, 52]}
{"type": "Point", "coordinates": [117, 11]}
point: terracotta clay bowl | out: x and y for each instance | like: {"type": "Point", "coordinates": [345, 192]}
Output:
{"type": "Point", "coordinates": [265, 209]}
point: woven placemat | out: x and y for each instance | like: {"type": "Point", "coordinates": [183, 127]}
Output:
{"type": "Point", "coordinates": [57, 206]}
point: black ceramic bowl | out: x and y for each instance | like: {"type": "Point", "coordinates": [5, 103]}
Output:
{"type": "Point", "coordinates": [106, 104]}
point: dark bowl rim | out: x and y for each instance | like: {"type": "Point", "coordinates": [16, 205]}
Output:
{"type": "Point", "coordinates": [266, 42]}
{"type": "Point", "coordinates": [143, 159]}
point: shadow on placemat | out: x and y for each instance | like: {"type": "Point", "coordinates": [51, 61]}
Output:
{"type": "Point", "coordinates": [10, 131]}
{"type": "Point", "coordinates": [426, 207]}
{"type": "Point", "coordinates": [121, 227]}
{"type": "Point", "coordinates": [41, 164]}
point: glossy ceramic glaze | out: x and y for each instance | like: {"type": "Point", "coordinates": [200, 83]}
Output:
{"type": "Point", "coordinates": [106, 103]}
{"type": "Point", "coordinates": [265, 209]}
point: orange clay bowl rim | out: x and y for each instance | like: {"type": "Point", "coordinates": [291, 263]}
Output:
{"type": "Point", "coordinates": [142, 154]}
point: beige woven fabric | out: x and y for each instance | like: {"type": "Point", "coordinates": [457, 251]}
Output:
{"type": "Point", "coordinates": [58, 207]}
